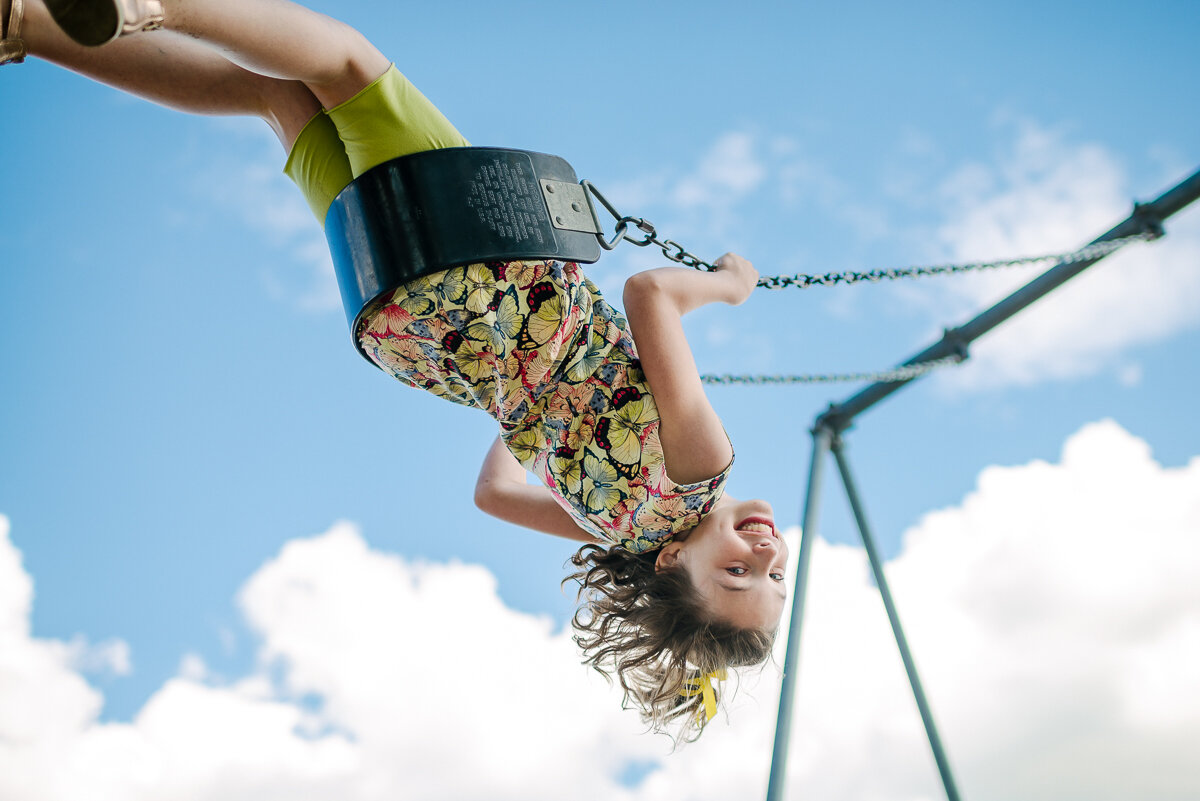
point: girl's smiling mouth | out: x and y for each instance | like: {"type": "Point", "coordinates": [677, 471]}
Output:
{"type": "Point", "coordinates": [758, 525]}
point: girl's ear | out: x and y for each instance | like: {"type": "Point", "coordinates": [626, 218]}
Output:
{"type": "Point", "coordinates": [668, 556]}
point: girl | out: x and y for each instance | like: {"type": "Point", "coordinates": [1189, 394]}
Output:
{"type": "Point", "coordinates": [677, 580]}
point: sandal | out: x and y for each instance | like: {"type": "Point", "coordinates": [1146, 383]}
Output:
{"type": "Point", "coordinates": [95, 22]}
{"type": "Point", "coordinates": [12, 46]}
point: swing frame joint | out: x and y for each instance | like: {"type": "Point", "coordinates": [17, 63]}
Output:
{"type": "Point", "coordinates": [1149, 221]}
{"type": "Point", "coordinates": [833, 421]}
{"type": "Point", "coordinates": [958, 343]}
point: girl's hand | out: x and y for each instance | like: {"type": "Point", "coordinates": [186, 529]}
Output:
{"type": "Point", "coordinates": [740, 275]}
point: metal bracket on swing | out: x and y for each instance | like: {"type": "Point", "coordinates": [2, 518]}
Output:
{"type": "Point", "coordinates": [569, 207]}
{"type": "Point", "coordinates": [428, 212]}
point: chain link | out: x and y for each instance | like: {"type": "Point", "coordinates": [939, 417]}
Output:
{"type": "Point", "coordinates": [903, 373]}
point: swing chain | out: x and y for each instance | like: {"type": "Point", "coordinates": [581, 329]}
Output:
{"type": "Point", "coordinates": [1090, 252]}
{"type": "Point", "coordinates": [675, 252]}
{"type": "Point", "coordinates": [902, 373]}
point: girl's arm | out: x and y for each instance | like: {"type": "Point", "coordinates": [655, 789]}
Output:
{"type": "Point", "coordinates": [694, 442]}
{"type": "Point", "coordinates": [502, 492]}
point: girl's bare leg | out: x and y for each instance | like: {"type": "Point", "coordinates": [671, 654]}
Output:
{"type": "Point", "coordinates": [283, 40]}
{"type": "Point", "coordinates": [267, 58]}
{"type": "Point", "coordinates": [176, 71]}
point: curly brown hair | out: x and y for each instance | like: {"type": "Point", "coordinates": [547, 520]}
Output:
{"type": "Point", "coordinates": [650, 627]}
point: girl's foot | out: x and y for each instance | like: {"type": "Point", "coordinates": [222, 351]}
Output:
{"type": "Point", "coordinates": [12, 46]}
{"type": "Point", "coordinates": [96, 22]}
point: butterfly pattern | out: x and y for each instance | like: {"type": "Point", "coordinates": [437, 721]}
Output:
{"type": "Point", "coordinates": [535, 345]}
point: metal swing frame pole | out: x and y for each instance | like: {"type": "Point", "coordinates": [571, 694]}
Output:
{"type": "Point", "coordinates": [822, 440]}
{"type": "Point", "coordinates": [826, 440]}
{"type": "Point", "coordinates": [829, 426]}
{"type": "Point", "coordinates": [910, 667]}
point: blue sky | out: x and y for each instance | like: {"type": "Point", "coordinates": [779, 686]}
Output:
{"type": "Point", "coordinates": [181, 400]}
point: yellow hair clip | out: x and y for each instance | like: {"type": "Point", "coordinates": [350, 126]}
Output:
{"type": "Point", "coordinates": [702, 686]}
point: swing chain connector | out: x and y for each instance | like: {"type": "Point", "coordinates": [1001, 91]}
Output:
{"type": "Point", "coordinates": [672, 250]}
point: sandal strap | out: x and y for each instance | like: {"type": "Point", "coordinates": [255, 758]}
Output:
{"type": "Point", "coordinates": [12, 46]}
{"type": "Point", "coordinates": [12, 51]}
{"type": "Point", "coordinates": [141, 15]}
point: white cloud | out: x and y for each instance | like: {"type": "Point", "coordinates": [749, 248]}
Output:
{"type": "Point", "coordinates": [696, 207]}
{"type": "Point", "coordinates": [731, 169]}
{"type": "Point", "coordinates": [193, 668]}
{"type": "Point", "coordinates": [268, 203]}
{"type": "Point", "coordinates": [110, 656]}
{"type": "Point", "coordinates": [1130, 375]}
{"type": "Point", "coordinates": [1051, 195]}
{"type": "Point", "coordinates": [43, 701]}
{"type": "Point", "coordinates": [426, 685]}
{"type": "Point", "coordinates": [424, 663]}
{"type": "Point", "coordinates": [1054, 614]}
{"type": "Point", "coordinates": [701, 208]}
{"type": "Point", "coordinates": [701, 202]}
{"type": "Point", "coordinates": [16, 589]}
{"type": "Point", "coordinates": [1071, 584]}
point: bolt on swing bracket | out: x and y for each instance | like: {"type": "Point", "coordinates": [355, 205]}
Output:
{"type": "Point", "coordinates": [569, 207]}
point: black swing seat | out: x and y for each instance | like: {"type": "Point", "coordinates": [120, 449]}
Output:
{"type": "Point", "coordinates": [427, 212]}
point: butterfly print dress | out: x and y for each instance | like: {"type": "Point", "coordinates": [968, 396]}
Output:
{"type": "Point", "coordinates": [535, 345]}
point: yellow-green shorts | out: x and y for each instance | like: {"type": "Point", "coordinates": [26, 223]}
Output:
{"type": "Point", "coordinates": [386, 120]}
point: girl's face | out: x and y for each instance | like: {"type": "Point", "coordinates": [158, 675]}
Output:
{"type": "Point", "coordinates": [736, 561]}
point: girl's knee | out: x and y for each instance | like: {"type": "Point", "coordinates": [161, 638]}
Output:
{"type": "Point", "coordinates": [354, 63]}
{"type": "Point", "coordinates": [287, 106]}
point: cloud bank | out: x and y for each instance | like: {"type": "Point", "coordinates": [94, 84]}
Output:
{"type": "Point", "coordinates": [1054, 614]}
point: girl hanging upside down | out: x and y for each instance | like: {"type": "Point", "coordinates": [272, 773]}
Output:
{"type": "Point", "coordinates": [678, 581]}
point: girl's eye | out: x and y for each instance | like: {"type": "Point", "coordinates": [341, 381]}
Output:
{"type": "Point", "coordinates": [737, 571]}
{"type": "Point", "coordinates": [777, 576]}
